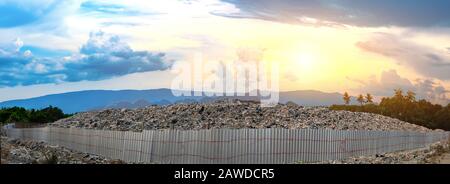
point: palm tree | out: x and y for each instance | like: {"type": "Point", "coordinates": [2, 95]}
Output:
{"type": "Point", "coordinates": [346, 98]}
{"type": "Point", "coordinates": [360, 99]}
{"type": "Point", "coordinates": [398, 93]}
{"type": "Point", "coordinates": [369, 98]}
{"type": "Point", "coordinates": [411, 96]}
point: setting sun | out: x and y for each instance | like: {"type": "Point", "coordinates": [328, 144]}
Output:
{"type": "Point", "coordinates": [305, 61]}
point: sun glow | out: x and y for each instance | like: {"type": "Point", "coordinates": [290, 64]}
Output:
{"type": "Point", "coordinates": [305, 61]}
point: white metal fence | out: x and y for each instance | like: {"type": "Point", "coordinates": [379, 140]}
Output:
{"type": "Point", "coordinates": [230, 146]}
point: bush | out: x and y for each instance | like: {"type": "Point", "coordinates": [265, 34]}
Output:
{"type": "Point", "coordinates": [21, 115]}
{"type": "Point", "coordinates": [406, 108]}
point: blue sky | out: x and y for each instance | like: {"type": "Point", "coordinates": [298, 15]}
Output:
{"type": "Point", "coordinates": [49, 46]}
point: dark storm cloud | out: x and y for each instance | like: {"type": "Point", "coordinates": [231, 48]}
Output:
{"type": "Point", "coordinates": [408, 13]}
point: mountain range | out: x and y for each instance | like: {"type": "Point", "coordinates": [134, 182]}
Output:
{"type": "Point", "coordinates": [80, 101]}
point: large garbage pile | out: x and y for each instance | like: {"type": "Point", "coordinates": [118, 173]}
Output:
{"type": "Point", "coordinates": [232, 114]}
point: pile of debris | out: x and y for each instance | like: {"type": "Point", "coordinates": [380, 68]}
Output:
{"type": "Point", "coordinates": [232, 114]}
{"type": "Point", "coordinates": [14, 151]}
{"type": "Point", "coordinates": [428, 155]}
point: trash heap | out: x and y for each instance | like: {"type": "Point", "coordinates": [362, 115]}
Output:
{"type": "Point", "coordinates": [232, 114]}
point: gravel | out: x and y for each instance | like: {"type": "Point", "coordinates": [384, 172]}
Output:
{"type": "Point", "coordinates": [428, 155]}
{"type": "Point", "coordinates": [232, 114]}
{"type": "Point", "coordinates": [14, 151]}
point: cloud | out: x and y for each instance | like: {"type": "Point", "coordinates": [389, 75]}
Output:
{"type": "Point", "coordinates": [390, 80]}
{"type": "Point", "coordinates": [18, 43]}
{"type": "Point", "coordinates": [12, 47]}
{"type": "Point", "coordinates": [425, 60]}
{"type": "Point", "coordinates": [17, 13]}
{"type": "Point", "coordinates": [33, 20]}
{"type": "Point", "coordinates": [110, 9]}
{"type": "Point", "coordinates": [102, 57]}
{"type": "Point", "coordinates": [290, 76]}
{"type": "Point", "coordinates": [408, 13]}
{"type": "Point", "coordinates": [123, 24]}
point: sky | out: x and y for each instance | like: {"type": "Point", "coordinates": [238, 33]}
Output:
{"type": "Point", "coordinates": [359, 46]}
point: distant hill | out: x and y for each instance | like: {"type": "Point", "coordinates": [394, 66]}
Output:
{"type": "Point", "coordinates": [313, 98]}
{"type": "Point", "coordinates": [99, 99]}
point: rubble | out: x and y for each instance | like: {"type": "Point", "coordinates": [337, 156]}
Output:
{"type": "Point", "coordinates": [232, 114]}
{"type": "Point", "coordinates": [14, 151]}
{"type": "Point", "coordinates": [428, 155]}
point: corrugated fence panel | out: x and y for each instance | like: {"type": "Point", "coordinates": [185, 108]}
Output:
{"type": "Point", "coordinates": [230, 146]}
{"type": "Point", "coordinates": [132, 146]}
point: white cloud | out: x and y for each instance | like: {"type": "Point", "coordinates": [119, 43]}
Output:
{"type": "Point", "coordinates": [102, 57]}
{"type": "Point", "coordinates": [390, 80]}
{"type": "Point", "coordinates": [27, 53]}
{"type": "Point", "coordinates": [18, 43]}
{"type": "Point", "coordinates": [425, 60]}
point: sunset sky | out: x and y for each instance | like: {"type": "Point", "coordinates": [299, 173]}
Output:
{"type": "Point", "coordinates": [49, 46]}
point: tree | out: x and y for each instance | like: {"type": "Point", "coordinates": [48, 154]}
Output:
{"type": "Point", "coordinates": [360, 99]}
{"type": "Point", "coordinates": [52, 113]}
{"type": "Point", "coordinates": [17, 117]}
{"type": "Point", "coordinates": [441, 118]}
{"type": "Point", "coordinates": [406, 108]}
{"type": "Point", "coordinates": [411, 96]}
{"type": "Point", "coordinates": [22, 115]}
{"type": "Point", "coordinates": [398, 93]}
{"type": "Point", "coordinates": [346, 98]}
{"type": "Point", "coordinates": [4, 115]}
{"type": "Point", "coordinates": [369, 98]}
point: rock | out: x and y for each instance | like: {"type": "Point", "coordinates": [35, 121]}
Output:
{"type": "Point", "coordinates": [36, 152]}
{"type": "Point", "coordinates": [233, 114]}
{"type": "Point", "coordinates": [291, 104]}
{"type": "Point", "coordinates": [418, 156]}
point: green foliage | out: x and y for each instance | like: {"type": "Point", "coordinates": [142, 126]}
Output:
{"type": "Point", "coordinates": [369, 98]}
{"type": "Point", "coordinates": [406, 108]}
{"type": "Point", "coordinates": [346, 98]}
{"type": "Point", "coordinates": [442, 118]}
{"type": "Point", "coordinates": [21, 115]}
{"type": "Point", "coordinates": [360, 99]}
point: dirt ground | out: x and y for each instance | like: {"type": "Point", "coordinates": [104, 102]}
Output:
{"type": "Point", "coordinates": [445, 159]}
{"type": "Point", "coordinates": [15, 151]}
